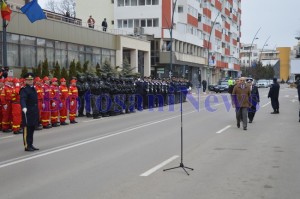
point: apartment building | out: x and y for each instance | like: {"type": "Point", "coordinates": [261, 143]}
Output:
{"type": "Point", "coordinates": [204, 43]}
{"type": "Point", "coordinates": [60, 39]}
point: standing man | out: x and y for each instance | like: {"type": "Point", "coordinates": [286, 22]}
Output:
{"type": "Point", "coordinates": [298, 88]}
{"type": "Point", "coordinates": [254, 100]}
{"type": "Point", "coordinates": [73, 95]}
{"type": "Point", "coordinates": [204, 85]}
{"type": "Point", "coordinates": [91, 22]}
{"type": "Point", "coordinates": [241, 95]}
{"type": "Point", "coordinates": [104, 25]}
{"type": "Point", "coordinates": [64, 94]}
{"type": "Point", "coordinates": [30, 116]}
{"type": "Point", "coordinates": [274, 94]}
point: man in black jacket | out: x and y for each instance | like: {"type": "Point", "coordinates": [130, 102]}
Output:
{"type": "Point", "coordinates": [274, 94]}
{"type": "Point", "coordinates": [298, 88]}
{"type": "Point", "coordinates": [30, 116]}
{"type": "Point", "coordinates": [254, 100]}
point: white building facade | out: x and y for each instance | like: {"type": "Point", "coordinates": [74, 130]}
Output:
{"type": "Point", "coordinates": [202, 30]}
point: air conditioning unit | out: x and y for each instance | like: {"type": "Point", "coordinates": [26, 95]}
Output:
{"type": "Point", "coordinates": [138, 31]}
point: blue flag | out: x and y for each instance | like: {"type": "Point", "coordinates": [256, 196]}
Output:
{"type": "Point", "coordinates": [33, 11]}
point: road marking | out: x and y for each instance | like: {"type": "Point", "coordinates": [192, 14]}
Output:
{"type": "Point", "coordinates": [7, 137]}
{"type": "Point", "coordinates": [293, 100]}
{"type": "Point", "coordinates": [296, 96]}
{"type": "Point", "coordinates": [287, 96]}
{"type": "Point", "coordinates": [224, 129]}
{"type": "Point", "coordinates": [150, 171]}
{"type": "Point", "coordinates": [80, 143]}
{"type": "Point", "coordinates": [266, 104]}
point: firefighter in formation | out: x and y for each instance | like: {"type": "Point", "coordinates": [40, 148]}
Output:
{"type": "Point", "coordinates": [55, 102]}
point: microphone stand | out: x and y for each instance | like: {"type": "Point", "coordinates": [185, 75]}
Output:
{"type": "Point", "coordinates": [181, 165]}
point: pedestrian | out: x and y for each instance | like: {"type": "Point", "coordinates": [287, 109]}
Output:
{"type": "Point", "coordinates": [91, 22]}
{"type": "Point", "coordinates": [104, 25]}
{"type": "Point", "coordinates": [73, 96]}
{"type": "Point", "coordinates": [298, 88]}
{"type": "Point", "coordinates": [30, 115]}
{"type": "Point", "coordinates": [241, 95]}
{"type": "Point", "coordinates": [274, 94]}
{"type": "Point", "coordinates": [67, 16]}
{"type": "Point", "coordinates": [254, 100]}
{"type": "Point", "coordinates": [64, 95]}
{"type": "Point", "coordinates": [204, 85]}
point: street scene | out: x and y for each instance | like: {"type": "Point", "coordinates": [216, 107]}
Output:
{"type": "Point", "coordinates": [124, 156]}
{"type": "Point", "coordinates": [149, 99]}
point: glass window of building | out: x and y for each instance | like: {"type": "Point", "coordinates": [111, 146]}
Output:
{"type": "Point", "coordinates": [141, 2]}
{"type": "Point", "coordinates": [143, 22]}
{"type": "Point", "coordinates": [130, 23]}
{"type": "Point", "coordinates": [125, 23]}
{"type": "Point", "coordinates": [154, 2]}
{"type": "Point", "coordinates": [133, 2]}
{"type": "Point", "coordinates": [27, 40]}
{"type": "Point", "coordinates": [148, 2]}
{"type": "Point", "coordinates": [50, 43]}
{"type": "Point", "coordinates": [120, 2]}
{"type": "Point", "coordinates": [136, 23]}
{"type": "Point", "coordinates": [120, 23]}
{"type": "Point", "coordinates": [12, 55]}
{"type": "Point", "coordinates": [41, 55]}
{"type": "Point", "coordinates": [11, 38]}
{"type": "Point", "coordinates": [155, 23]}
{"type": "Point", "coordinates": [149, 22]}
{"type": "Point", "coordinates": [127, 2]}
{"type": "Point", "coordinates": [40, 42]}
{"type": "Point", "coordinates": [27, 53]}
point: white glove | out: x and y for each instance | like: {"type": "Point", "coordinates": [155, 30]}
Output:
{"type": "Point", "coordinates": [72, 103]}
{"type": "Point", "coordinates": [24, 110]}
{"type": "Point", "coordinates": [60, 105]}
{"type": "Point", "coordinates": [5, 106]}
{"type": "Point", "coordinates": [43, 106]}
{"type": "Point", "coordinates": [53, 104]}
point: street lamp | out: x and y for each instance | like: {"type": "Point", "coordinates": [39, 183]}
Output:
{"type": "Point", "coordinates": [212, 27]}
{"type": "Point", "coordinates": [265, 44]}
{"type": "Point", "coordinates": [250, 53]}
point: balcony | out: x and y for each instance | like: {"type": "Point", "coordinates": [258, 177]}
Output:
{"type": "Point", "coordinates": [181, 58]}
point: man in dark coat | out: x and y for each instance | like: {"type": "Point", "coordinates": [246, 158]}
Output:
{"type": "Point", "coordinates": [274, 94]}
{"type": "Point", "coordinates": [254, 100]}
{"type": "Point", "coordinates": [204, 85]}
{"type": "Point", "coordinates": [298, 88]}
{"type": "Point", "coordinates": [30, 111]}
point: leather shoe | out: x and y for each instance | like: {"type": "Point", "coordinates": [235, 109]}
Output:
{"type": "Point", "coordinates": [29, 149]}
{"type": "Point", "coordinates": [245, 128]}
{"type": "Point", "coordinates": [274, 112]}
{"type": "Point", "coordinates": [238, 125]}
{"type": "Point", "coordinates": [64, 123]}
{"type": "Point", "coordinates": [250, 121]}
{"type": "Point", "coordinates": [36, 149]}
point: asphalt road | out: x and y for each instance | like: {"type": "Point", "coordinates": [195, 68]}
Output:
{"type": "Point", "coordinates": [124, 156]}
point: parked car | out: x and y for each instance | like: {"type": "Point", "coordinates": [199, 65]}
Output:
{"type": "Point", "coordinates": [262, 83]}
{"type": "Point", "coordinates": [221, 87]}
{"type": "Point", "coordinates": [211, 87]}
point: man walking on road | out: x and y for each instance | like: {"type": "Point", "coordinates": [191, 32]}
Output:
{"type": "Point", "coordinates": [29, 105]}
{"type": "Point", "coordinates": [274, 94]}
{"type": "Point", "coordinates": [254, 100]}
{"type": "Point", "coordinates": [298, 88]}
{"type": "Point", "coordinates": [241, 95]}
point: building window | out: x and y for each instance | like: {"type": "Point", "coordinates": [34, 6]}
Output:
{"type": "Point", "coordinates": [120, 3]}
{"type": "Point", "coordinates": [119, 23]}
{"type": "Point", "coordinates": [127, 2]}
{"type": "Point", "coordinates": [141, 2]}
{"type": "Point", "coordinates": [148, 2]}
{"type": "Point", "coordinates": [149, 22]}
{"type": "Point", "coordinates": [133, 2]}
{"type": "Point", "coordinates": [155, 23]}
{"type": "Point", "coordinates": [136, 23]}
{"type": "Point", "coordinates": [125, 23]}
{"type": "Point", "coordinates": [130, 23]}
{"type": "Point", "coordinates": [143, 22]}
{"type": "Point", "coordinates": [154, 2]}
{"type": "Point", "coordinates": [180, 9]}
{"type": "Point", "coordinates": [27, 53]}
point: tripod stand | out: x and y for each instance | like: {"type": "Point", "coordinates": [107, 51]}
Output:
{"type": "Point", "coordinates": [181, 165]}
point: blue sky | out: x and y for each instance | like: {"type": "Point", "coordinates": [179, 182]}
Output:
{"type": "Point", "coordinates": [279, 19]}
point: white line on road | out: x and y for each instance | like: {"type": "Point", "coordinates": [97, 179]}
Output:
{"type": "Point", "coordinates": [286, 96]}
{"type": "Point", "coordinates": [224, 129]}
{"type": "Point", "coordinates": [7, 137]}
{"type": "Point", "coordinates": [80, 143]}
{"type": "Point", "coordinates": [150, 171]}
{"type": "Point", "coordinates": [266, 104]}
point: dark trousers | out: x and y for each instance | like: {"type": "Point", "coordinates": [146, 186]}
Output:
{"type": "Point", "coordinates": [241, 114]}
{"type": "Point", "coordinates": [275, 104]}
{"type": "Point", "coordinates": [28, 132]}
{"type": "Point", "coordinates": [204, 89]}
{"type": "Point", "coordinates": [81, 105]}
{"type": "Point", "coordinates": [251, 112]}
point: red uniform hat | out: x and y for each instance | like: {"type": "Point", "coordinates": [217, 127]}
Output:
{"type": "Point", "coordinates": [54, 79]}
{"type": "Point", "coordinates": [73, 81]}
{"type": "Point", "coordinates": [46, 79]}
{"type": "Point", "coordinates": [8, 79]}
{"type": "Point", "coordinates": [16, 80]}
{"type": "Point", "coordinates": [37, 79]}
{"type": "Point", "coordinates": [62, 80]}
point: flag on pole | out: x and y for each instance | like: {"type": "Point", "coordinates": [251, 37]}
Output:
{"type": "Point", "coordinates": [33, 11]}
{"type": "Point", "coordinates": [5, 11]}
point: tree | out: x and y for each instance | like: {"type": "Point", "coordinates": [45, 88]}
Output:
{"type": "Point", "coordinates": [107, 69]}
{"type": "Point", "coordinates": [24, 71]}
{"type": "Point", "coordinates": [85, 66]}
{"type": "Point", "coordinates": [45, 69]}
{"type": "Point", "coordinates": [62, 6]}
{"type": "Point", "coordinates": [64, 73]}
{"type": "Point", "coordinates": [56, 71]}
{"type": "Point", "coordinates": [39, 70]}
{"type": "Point", "coordinates": [98, 69]}
{"type": "Point", "coordinates": [127, 70]}
{"type": "Point", "coordinates": [72, 70]}
{"type": "Point", "coordinates": [78, 67]}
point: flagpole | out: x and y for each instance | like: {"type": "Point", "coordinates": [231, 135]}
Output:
{"type": "Point", "coordinates": [4, 43]}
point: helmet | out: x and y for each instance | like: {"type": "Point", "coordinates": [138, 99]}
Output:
{"type": "Point", "coordinates": [46, 78]}
{"type": "Point", "coordinates": [54, 79]}
{"type": "Point", "coordinates": [62, 80]}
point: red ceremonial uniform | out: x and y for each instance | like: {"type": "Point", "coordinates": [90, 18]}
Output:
{"type": "Point", "coordinates": [54, 101]}
{"type": "Point", "coordinates": [6, 97]}
{"type": "Point", "coordinates": [16, 107]}
{"type": "Point", "coordinates": [73, 92]}
{"type": "Point", "coordinates": [45, 113]}
{"type": "Point", "coordinates": [64, 94]}
{"type": "Point", "coordinates": [40, 92]}
{"type": "Point", "coordinates": [1, 88]}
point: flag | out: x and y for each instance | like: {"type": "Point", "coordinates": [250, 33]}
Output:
{"type": "Point", "coordinates": [33, 11]}
{"type": "Point", "coordinates": [5, 11]}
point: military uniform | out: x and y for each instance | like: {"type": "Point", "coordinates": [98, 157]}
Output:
{"type": "Point", "coordinates": [30, 116]}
